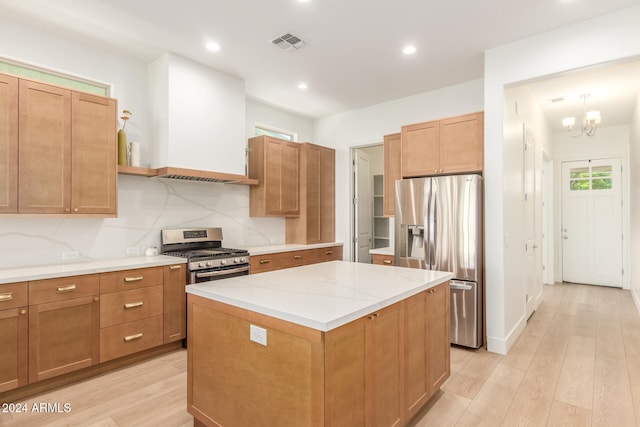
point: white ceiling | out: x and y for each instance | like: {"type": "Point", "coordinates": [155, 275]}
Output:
{"type": "Point", "coordinates": [352, 56]}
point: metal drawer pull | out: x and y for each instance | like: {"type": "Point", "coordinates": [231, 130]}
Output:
{"type": "Point", "coordinates": [134, 304]}
{"type": "Point", "coordinates": [133, 337]}
{"type": "Point", "coordinates": [373, 316]}
{"type": "Point", "coordinates": [387, 261]}
{"type": "Point", "coordinates": [68, 288]}
{"type": "Point", "coordinates": [265, 261]}
{"type": "Point", "coordinates": [329, 253]}
{"type": "Point", "coordinates": [133, 279]}
{"type": "Point", "coordinates": [297, 256]}
{"type": "Point", "coordinates": [175, 267]}
{"type": "Point", "coordinates": [6, 297]}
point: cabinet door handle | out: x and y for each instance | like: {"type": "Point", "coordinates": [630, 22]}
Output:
{"type": "Point", "coordinates": [134, 304]}
{"type": "Point", "coordinates": [265, 261]}
{"type": "Point", "coordinates": [133, 279]}
{"type": "Point", "coordinates": [68, 288]}
{"type": "Point", "coordinates": [6, 297]}
{"type": "Point", "coordinates": [23, 311]}
{"type": "Point", "coordinates": [133, 337]}
{"type": "Point", "coordinates": [387, 261]}
{"type": "Point", "coordinates": [297, 256]}
{"type": "Point", "coordinates": [373, 316]}
{"type": "Point", "coordinates": [175, 267]}
{"type": "Point", "coordinates": [329, 253]}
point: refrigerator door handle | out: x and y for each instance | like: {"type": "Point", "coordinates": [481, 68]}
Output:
{"type": "Point", "coordinates": [460, 286]}
{"type": "Point", "coordinates": [431, 217]}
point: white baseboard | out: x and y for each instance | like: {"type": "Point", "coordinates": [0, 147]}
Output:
{"type": "Point", "coordinates": [503, 345]}
{"type": "Point", "coordinates": [635, 294]}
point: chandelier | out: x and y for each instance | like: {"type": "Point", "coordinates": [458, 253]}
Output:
{"type": "Point", "coordinates": [590, 121]}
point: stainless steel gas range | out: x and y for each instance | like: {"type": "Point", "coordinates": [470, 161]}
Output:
{"type": "Point", "coordinates": [207, 259]}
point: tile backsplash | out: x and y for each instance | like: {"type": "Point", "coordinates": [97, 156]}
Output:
{"type": "Point", "coordinates": [145, 206]}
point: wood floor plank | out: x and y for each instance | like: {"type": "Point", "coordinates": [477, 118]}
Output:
{"type": "Point", "coordinates": [575, 385]}
{"type": "Point", "coordinates": [468, 382]}
{"type": "Point", "coordinates": [612, 399]}
{"type": "Point", "coordinates": [565, 414]}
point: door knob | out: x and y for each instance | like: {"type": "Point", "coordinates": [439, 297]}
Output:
{"type": "Point", "coordinates": [565, 237]}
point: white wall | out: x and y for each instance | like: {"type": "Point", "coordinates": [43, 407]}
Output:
{"type": "Point", "coordinates": [145, 205]}
{"type": "Point", "coordinates": [608, 38]}
{"type": "Point", "coordinates": [634, 185]}
{"type": "Point", "coordinates": [368, 126]}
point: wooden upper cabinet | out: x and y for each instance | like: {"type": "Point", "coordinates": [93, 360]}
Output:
{"type": "Point", "coordinates": [275, 164]}
{"type": "Point", "coordinates": [420, 149]}
{"type": "Point", "coordinates": [66, 151]}
{"type": "Point", "coordinates": [44, 149]}
{"type": "Point", "coordinates": [316, 222]}
{"type": "Point", "coordinates": [93, 154]}
{"type": "Point", "coordinates": [8, 144]}
{"type": "Point", "coordinates": [447, 146]}
{"type": "Point", "coordinates": [461, 143]}
{"type": "Point", "coordinates": [392, 171]}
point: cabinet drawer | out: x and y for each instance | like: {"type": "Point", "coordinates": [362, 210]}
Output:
{"type": "Point", "coordinates": [331, 253]}
{"type": "Point", "coordinates": [130, 279]}
{"type": "Point", "coordinates": [266, 262]}
{"type": "Point", "coordinates": [131, 337]}
{"type": "Point", "coordinates": [13, 295]}
{"type": "Point", "coordinates": [383, 259]}
{"type": "Point", "coordinates": [126, 306]}
{"type": "Point", "coordinates": [64, 288]}
{"type": "Point", "coordinates": [298, 258]}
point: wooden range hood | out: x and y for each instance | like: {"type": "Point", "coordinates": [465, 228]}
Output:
{"type": "Point", "coordinates": [188, 175]}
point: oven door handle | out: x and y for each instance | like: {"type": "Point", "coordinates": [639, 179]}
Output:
{"type": "Point", "coordinates": [222, 272]}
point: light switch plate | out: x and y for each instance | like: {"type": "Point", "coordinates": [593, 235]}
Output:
{"type": "Point", "coordinates": [258, 334]}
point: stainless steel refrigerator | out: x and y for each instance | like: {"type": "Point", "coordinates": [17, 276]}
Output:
{"type": "Point", "coordinates": [438, 226]}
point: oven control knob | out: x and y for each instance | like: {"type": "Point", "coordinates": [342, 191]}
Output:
{"type": "Point", "coordinates": [223, 261]}
{"type": "Point", "coordinates": [243, 259]}
{"type": "Point", "coordinates": [236, 260]}
{"type": "Point", "coordinates": [201, 264]}
{"type": "Point", "coordinates": [209, 263]}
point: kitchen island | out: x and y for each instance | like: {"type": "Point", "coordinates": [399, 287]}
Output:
{"type": "Point", "coordinates": [337, 343]}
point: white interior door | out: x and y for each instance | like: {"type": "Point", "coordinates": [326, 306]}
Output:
{"type": "Point", "coordinates": [592, 222]}
{"type": "Point", "coordinates": [529, 182]}
{"type": "Point", "coordinates": [363, 206]}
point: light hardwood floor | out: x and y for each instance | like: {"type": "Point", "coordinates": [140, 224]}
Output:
{"type": "Point", "coordinates": [576, 364]}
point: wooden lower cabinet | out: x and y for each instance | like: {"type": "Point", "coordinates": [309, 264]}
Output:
{"type": "Point", "coordinates": [175, 303]}
{"type": "Point", "coordinates": [288, 259]}
{"type": "Point", "coordinates": [383, 259]}
{"type": "Point", "coordinates": [64, 323]}
{"type": "Point", "coordinates": [427, 346]}
{"type": "Point", "coordinates": [14, 339]}
{"type": "Point", "coordinates": [378, 370]}
{"type": "Point", "coordinates": [57, 326]}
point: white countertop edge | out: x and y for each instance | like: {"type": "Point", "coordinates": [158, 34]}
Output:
{"type": "Point", "coordinates": [319, 325]}
{"type": "Point", "coordinates": [382, 251]}
{"type": "Point", "coordinates": [38, 272]}
{"type": "Point", "coordinates": [270, 249]}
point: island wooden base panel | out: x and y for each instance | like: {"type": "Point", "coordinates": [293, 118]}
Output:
{"type": "Point", "coordinates": [484, 388]}
{"type": "Point", "coordinates": [351, 376]}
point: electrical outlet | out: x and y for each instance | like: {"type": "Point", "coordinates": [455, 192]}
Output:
{"type": "Point", "coordinates": [133, 250]}
{"type": "Point", "coordinates": [69, 255]}
{"type": "Point", "coordinates": [258, 334]}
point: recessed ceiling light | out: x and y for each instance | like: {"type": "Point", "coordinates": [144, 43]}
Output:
{"type": "Point", "coordinates": [409, 50]}
{"type": "Point", "coordinates": [302, 86]}
{"type": "Point", "coordinates": [213, 46]}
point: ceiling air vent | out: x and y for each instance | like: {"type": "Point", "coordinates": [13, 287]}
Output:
{"type": "Point", "coordinates": [288, 41]}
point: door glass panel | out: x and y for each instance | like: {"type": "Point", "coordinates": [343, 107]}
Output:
{"type": "Point", "coordinates": [603, 171]}
{"type": "Point", "coordinates": [601, 183]}
{"type": "Point", "coordinates": [579, 173]}
{"type": "Point", "coordinates": [579, 184]}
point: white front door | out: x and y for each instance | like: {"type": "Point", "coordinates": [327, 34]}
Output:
{"type": "Point", "coordinates": [592, 222]}
{"type": "Point", "coordinates": [363, 206]}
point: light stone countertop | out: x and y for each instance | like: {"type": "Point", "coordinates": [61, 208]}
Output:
{"type": "Point", "coordinates": [382, 251]}
{"type": "Point", "coordinates": [22, 274]}
{"type": "Point", "coordinates": [321, 296]}
{"type": "Point", "coordinates": [270, 249]}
